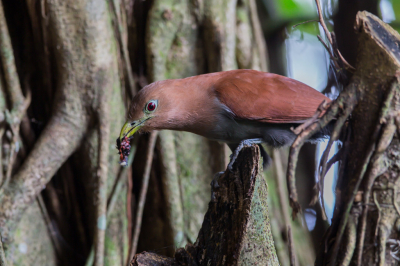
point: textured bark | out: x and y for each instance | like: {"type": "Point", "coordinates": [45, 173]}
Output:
{"type": "Point", "coordinates": [236, 228]}
{"type": "Point", "coordinates": [32, 243]}
{"type": "Point", "coordinates": [149, 258]}
{"type": "Point", "coordinates": [82, 84]}
{"type": "Point", "coordinates": [371, 170]}
{"type": "Point", "coordinates": [347, 39]}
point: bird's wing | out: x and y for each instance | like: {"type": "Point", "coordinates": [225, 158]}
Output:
{"type": "Point", "coordinates": [267, 97]}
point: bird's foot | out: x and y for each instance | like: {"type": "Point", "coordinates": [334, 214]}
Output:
{"type": "Point", "coordinates": [214, 185]}
{"type": "Point", "coordinates": [242, 144]}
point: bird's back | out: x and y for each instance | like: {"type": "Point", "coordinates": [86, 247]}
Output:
{"type": "Point", "coordinates": [267, 97]}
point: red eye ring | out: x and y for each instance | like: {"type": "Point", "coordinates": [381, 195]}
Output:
{"type": "Point", "coordinates": [151, 106]}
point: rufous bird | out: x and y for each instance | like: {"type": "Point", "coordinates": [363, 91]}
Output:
{"type": "Point", "coordinates": [237, 107]}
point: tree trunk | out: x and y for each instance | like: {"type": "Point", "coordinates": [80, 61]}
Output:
{"type": "Point", "coordinates": [365, 224]}
{"type": "Point", "coordinates": [236, 228]}
{"type": "Point", "coordinates": [77, 99]}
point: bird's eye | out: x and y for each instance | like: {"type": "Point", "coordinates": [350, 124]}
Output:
{"type": "Point", "coordinates": [151, 106]}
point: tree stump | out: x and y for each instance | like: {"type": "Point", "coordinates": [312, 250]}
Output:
{"type": "Point", "coordinates": [236, 228]}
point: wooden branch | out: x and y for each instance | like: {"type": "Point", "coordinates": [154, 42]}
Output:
{"type": "Point", "coordinates": [322, 22]}
{"type": "Point", "coordinates": [8, 62]}
{"type": "Point", "coordinates": [284, 203]}
{"type": "Point", "coordinates": [112, 197]}
{"type": "Point", "coordinates": [19, 104]}
{"type": "Point", "coordinates": [292, 252]}
{"type": "Point", "coordinates": [236, 228]}
{"type": "Point", "coordinates": [347, 98]}
{"type": "Point", "coordinates": [258, 36]}
{"type": "Point", "coordinates": [121, 36]}
{"type": "Point", "coordinates": [103, 129]}
{"type": "Point", "coordinates": [143, 193]}
{"type": "Point", "coordinates": [149, 258]}
{"type": "Point", "coordinates": [321, 109]}
{"type": "Point", "coordinates": [332, 41]}
{"type": "Point", "coordinates": [3, 261]}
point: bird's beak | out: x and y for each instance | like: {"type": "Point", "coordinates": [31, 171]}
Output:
{"type": "Point", "coordinates": [130, 128]}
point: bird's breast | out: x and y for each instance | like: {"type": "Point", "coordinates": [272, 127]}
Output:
{"type": "Point", "coordinates": [230, 130]}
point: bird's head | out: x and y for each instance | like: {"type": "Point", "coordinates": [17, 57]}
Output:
{"type": "Point", "coordinates": [148, 110]}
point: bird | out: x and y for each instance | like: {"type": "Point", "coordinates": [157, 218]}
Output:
{"type": "Point", "coordinates": [237, 107]}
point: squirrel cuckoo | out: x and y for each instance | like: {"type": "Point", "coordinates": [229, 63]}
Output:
{"type": "Point", "coordinates": [238, 107]}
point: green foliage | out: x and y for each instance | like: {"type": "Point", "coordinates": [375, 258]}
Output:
{"type": "Point", "coordinates": [289, 13]}
{"type": "Point", "coordinates": [309, 27]}
{"type": "Point", "coordinates": [290, 10]}
{"type": "Point", "coordinates": [396, 9]}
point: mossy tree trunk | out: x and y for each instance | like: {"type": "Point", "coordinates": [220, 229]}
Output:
{"type": "Point", "coordinates": [236, 228]}
{"type": "Point", "coordinates": [54, 200]}
{"type": "Point", "coordinates": [365, 226]}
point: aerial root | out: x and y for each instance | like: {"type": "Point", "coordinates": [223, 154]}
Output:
{"type": "Point", "coordinates": [351, 239]}
{"type": "Point", "coordinates": [373, 172]}
{"type": "Point", "coordinates": [101, 188]}
{"type": "Point", "coordinates": [397, 122]}
{"type": "Point", "coordinates": [142, 195]}
{"type": "Point", "coordinates": [345, 103]}
{"type": "Point", "coordinates": [378, 143]}
{"type": "Point", "coordinates": [292, 251]}
{"type": "Point", "coordinates": [394, 245]}
{"type": "Point", "coordinates": [19, 103]}
{"type": "Point", "coordinates": [3, 261]}
{"type": "Point", "coordinates": [335, 55]}
{"type": "Point", "coordinates": [59, 139]}
{"type": "Point", "coordinates": [339, 109]}
{"type": "Point", "coordinates": [321, 109]}
{"type": "Point", "coordinates": [323, 166]}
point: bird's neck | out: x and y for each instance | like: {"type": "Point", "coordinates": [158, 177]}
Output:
{"type": "Point", "coordinates": [194, 108]}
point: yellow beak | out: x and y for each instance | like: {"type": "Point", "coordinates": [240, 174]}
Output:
{"type": "Point", "coordinates": [129, 129]}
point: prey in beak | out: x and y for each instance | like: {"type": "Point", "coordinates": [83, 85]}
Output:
{"type": "Point", "coordinates": [124, 148]}
{"type": "Point", "coordinates": [125, 138]}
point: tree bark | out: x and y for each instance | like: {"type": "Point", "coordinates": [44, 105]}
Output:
{"type": "Point", "coordinates": [82, 54]}
{"type": "Point", "coordinates": [236, 228]}
{"type": "Point", "coordinates": [367, 212]}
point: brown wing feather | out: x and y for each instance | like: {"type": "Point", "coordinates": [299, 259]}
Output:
{"type": "Point", "coordinates": [267, 97]}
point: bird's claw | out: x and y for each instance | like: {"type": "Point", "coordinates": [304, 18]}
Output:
{"type": "Point", "coordinates": [234, 156]}
{"type": "Point", "coordinates": [242, 144]}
